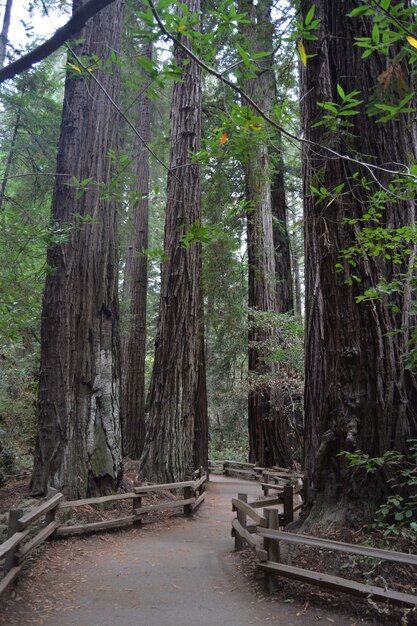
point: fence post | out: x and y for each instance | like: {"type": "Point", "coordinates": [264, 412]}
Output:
{"type": "Point", "coordinates": [10, 560]}
{"type": "Point", "coordinates": [241, 517]}
{"type": "Point", "coordinates": [50, 516]}
{"type": "Point", "coordinates": [264, 488]}
{"type": "Point", "coordinates": [272, 548]}
{"type": "Point", "coordinates": [188, 509]}
{"type": "Point", "coordinates": [136, 506]}
{"type": "Point", "coordinates": [288, 498]}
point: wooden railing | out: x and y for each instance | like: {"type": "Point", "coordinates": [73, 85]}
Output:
{"type": "Point", "coordinates": [265, 538]}
{"type": "Point", "coordinates": [24, 536]}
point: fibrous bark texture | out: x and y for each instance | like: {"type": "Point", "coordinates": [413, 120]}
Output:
{"type": "Point", "coordinates": [78, 447]}
{"type": "Point", "coordinates": [134, 293]}
{"type": "Point", "coordinates": [268, 440]}
{"type": "Point", "coordinates": [358, 394]}
{"type": "Point", "coordinates": [177, 390]}
{"type": "Point", "coordinates": [285, 298]}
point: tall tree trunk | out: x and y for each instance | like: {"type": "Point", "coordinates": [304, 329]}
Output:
{"type": "Point", "coordinates": [201, 434]}
{"type": "Point", "coordinates": [268, 440]}
{"type": "Point", "coordinates": [135, 292]}
{"type": "Point", "coordinates": [297, 280]}
{"type": "Point", "coordinates": [9, 161]}
{"type": "Point", "coordinates": [176, 387]}
{"type": "Point", "coordinates": [281, 239]}
{"type": "Point", "coordinates": [358, 394]}
{"type": "Point", "coordinates": [78, 447]}
{"type": "Point", "coordinates": [4, 35]}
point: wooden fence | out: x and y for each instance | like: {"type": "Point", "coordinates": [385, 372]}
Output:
{"type": "Point", "coordinates": [27, 531]}
{"type": "Point", "coordinates": [264, 537]}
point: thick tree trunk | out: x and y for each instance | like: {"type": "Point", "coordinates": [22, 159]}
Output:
{"type": "Point", "coordinates": [4, 35]}
{"type": "Point", "coordinates": [268, 440]}
{"type": "Point", "coordinates": [135, 292]}
{"type": "Point", "coordinates": [358, 394]}
{"type": "Point", "coordinates": [176, 388]}
{"type": "Point", "coordinates": [78, 447]}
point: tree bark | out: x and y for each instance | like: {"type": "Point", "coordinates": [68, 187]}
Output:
{"type": "Point", "coordinates": [9, 161]}
{"type": "Point", "coordinates": [177, 390]}
{"type": "Point", "coordinates": [281, 239]}
{"type": "Point", "coordinates": [358, 394]}
{"type": "Point", "coordinates": [78, 447]}
{"type": "Point", "coordinates": [4, 35]}
{"type": "Point", "coordinates": [135, 293]}
{"type": "Point", "coordinates": [268, 439]}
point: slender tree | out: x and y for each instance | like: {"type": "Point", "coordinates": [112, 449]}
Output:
{"type": "Point", "coordinates": [177, 389]}
{"type": "Point", "coordinates": [358, 393]}
{"type": "Point", "coordinates": [135, 291]}
{"type": "Point", "coordinates": [78, 445]}
{"type": "Point", "coordinates": [268, 441]}
{"type": "Point", "coordinates": [285, 298]}
{"type": "Point", "coordinates": [4, 35]}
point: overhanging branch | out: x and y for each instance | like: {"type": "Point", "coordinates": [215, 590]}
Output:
{"type": "Point", "coordinates": [69, 30]}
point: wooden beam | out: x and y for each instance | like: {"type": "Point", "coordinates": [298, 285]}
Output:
{"type": "Point", "coordinates": [199, 483]}
{"type": "Point", "coordinates": [36, 541]}
{"type": "Point", "coordinates": [166, 505]}
{"type": "Point", "coordinates": [242, 521]}
{"type": "Point", "coordinates": [279, 488]}
{"type": "Point", "coordinates": [272, 549]}
{"type": "Point", "coordinates": [9, 578]}
{"type": "Point", "coordinates": [269, 501]}
{"type": "Point", "coordinates": [10, 544]}
{"type": "Point", "coordinates": [338, 584]}
{"type": "Point", "coordinates": [238, 505]}
{"type": "Point", "coordinates": [38, 511]}
{"type": "Point", "coordinates": [99, 500]}
{"type": "Point", "coordinates": [199, 500]}
{"type": "Point", "coordinates": [374, 553]}
{"type": "Point", "coordinates": [67, 531]}
{"type": "Point", "coordinates": [14, 516]}
{"type": "Point", "coordinates": [163, 487]}
{"type": "Point", "coordinates": [244, 534]}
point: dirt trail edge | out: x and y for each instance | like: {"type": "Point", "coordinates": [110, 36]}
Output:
{"type": "Point", "coordinates": [180, 573]}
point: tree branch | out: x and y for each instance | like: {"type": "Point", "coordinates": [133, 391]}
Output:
{"type": "Point", "coordinates": [210, 70]}
{"type": "Point", "coordinates": [71, 28]}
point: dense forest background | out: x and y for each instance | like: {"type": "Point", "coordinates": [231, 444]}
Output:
{"type": "Point", "coordinates": [207, 246]}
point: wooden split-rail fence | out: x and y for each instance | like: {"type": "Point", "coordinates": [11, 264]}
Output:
{"type": "Point", "coordinates": [263, 534]}
{"type": "Point", "coordinates": [284, 485]}
{"type": "Point", "coordinates": [28, 531]}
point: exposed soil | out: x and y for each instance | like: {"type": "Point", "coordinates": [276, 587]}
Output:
{"type": "Point", "coordinates": [178, 572]}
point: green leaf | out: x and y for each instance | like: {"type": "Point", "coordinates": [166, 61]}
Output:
{"type": "Point", "coordinates": [362, 10]}
{"type": "Point", "coordinates": [341, 91]}
{"type": "Point", "coordinates": [310, 15]}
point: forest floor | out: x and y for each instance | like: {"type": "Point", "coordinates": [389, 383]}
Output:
{"type": "Point", "coordinates": [173, 571]}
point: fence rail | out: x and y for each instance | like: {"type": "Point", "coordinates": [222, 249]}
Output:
{"type": "Point", "coordinates": [27, 531]}
{"type": "Point", "coordinates": [265, 539]}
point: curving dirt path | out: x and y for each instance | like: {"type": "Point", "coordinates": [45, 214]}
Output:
{"type": "Point", "coordinates": [180, 573]}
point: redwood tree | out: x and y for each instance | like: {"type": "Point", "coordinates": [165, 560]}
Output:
{"type": "Point", "coordinates": [268, 439]}
{"type": "Point", "coordinates": [78, 445]}
{"type": "Point", "coordinates": [358, 393]}
{"type": "Point", "coordinates": [177, 398]}
{"type": "Point", "coordinates": [135, 292]}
